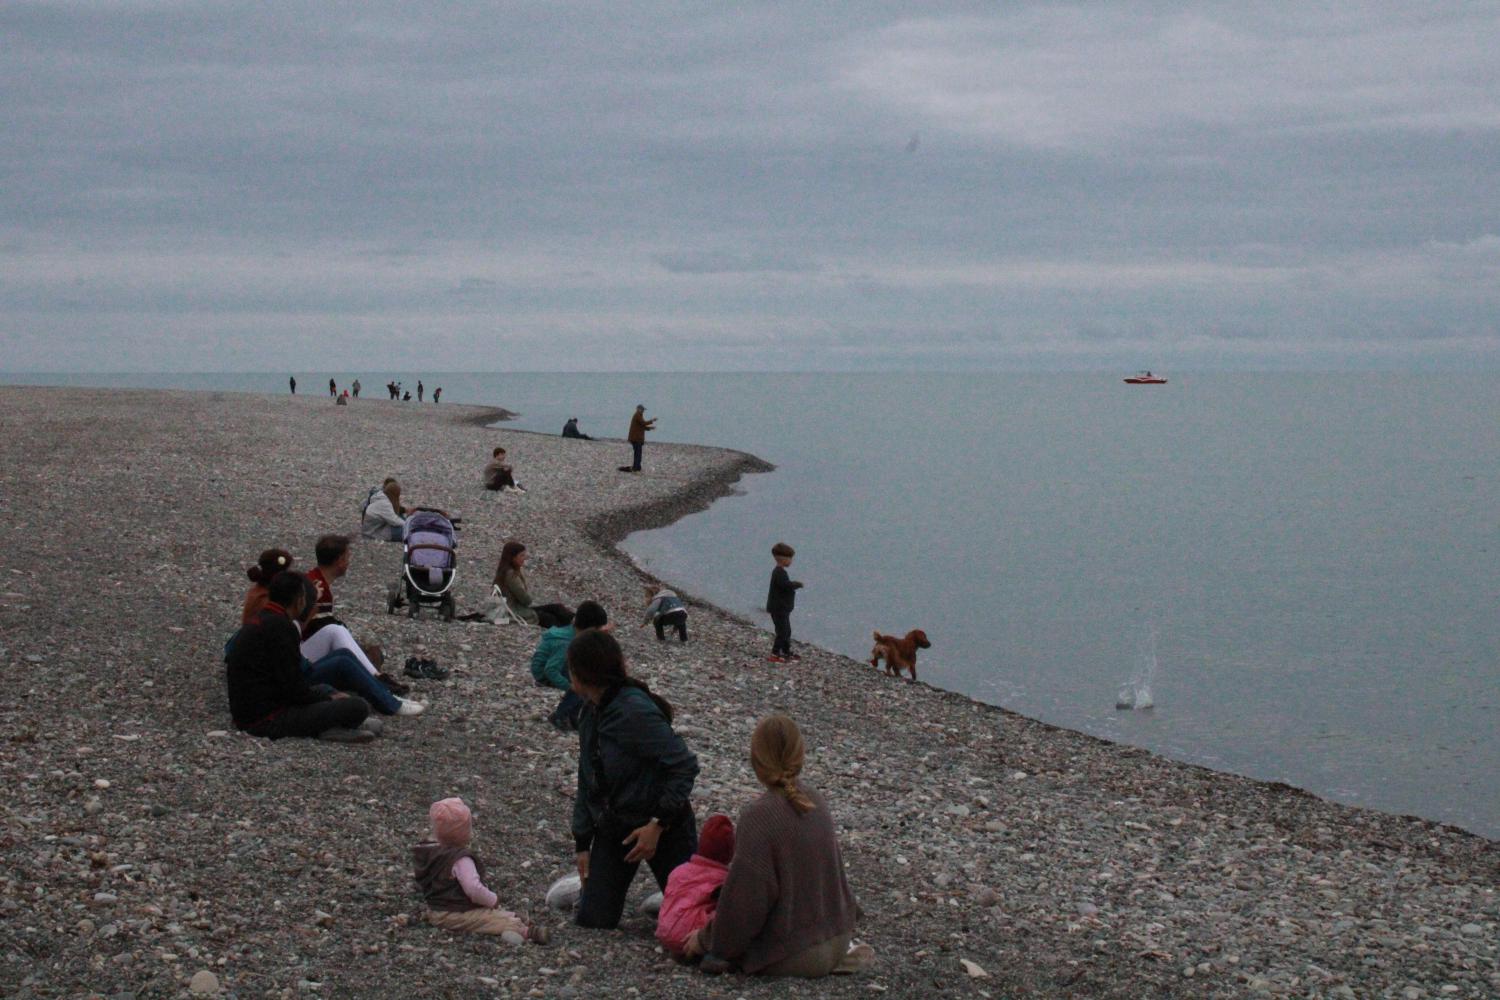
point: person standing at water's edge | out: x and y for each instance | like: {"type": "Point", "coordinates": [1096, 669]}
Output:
{"type": "Point", "coordinates": [293, 383]}
{"type": "Point", "coordinates": [420, 389]}
{"type": "Point", "coordinates": [355, 387]}
{"type": "Point", "coordinates": [639, 425]}
{"type": "Point", "coordinates": [780, 601]}
{"type": "Point", "coordinates": [333, 388]}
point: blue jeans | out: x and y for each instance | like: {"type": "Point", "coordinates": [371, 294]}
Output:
{"type": "Point", "coordinates": [339, 669]}
{"type": "Point", "coordinates": [565, 716]}
{"type": "Point", "coordinates": [635, 450]}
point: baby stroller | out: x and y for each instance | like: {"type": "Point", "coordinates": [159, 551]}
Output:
{"type": "Point", "coordinates": [428, 567]}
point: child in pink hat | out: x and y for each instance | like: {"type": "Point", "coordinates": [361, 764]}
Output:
{"type": "Point", "coordinates": [451, 878]}
{"type": "Point", "coordinates": [692, 894]}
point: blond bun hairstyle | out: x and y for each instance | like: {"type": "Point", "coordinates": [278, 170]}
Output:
{"type": "Point", "coordinates": [777, 753]}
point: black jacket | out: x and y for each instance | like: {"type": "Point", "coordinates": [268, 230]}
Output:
{"type": "Point", "coordinates": [263, 668]}
{"type": "Point", "coordinates": [631, 766]}
{"type": "Point", "coordinates": [783, 595]}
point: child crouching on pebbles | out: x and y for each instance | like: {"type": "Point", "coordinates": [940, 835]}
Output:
{"type": "Point", "coordinates": [692, 893]}
{"type": "Point", "coordinates": [452, 880]}
{"type": "Point", "coordinates": [665, 610]}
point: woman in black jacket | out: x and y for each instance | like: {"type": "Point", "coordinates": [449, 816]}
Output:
{"type": "Point", "coordinates": [268, 693]}
{"type": "Point", "coordinates": [634, 779]}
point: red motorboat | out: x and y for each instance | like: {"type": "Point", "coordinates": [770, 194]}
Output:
{"type": "Point", "coordinates": [1145, 378]}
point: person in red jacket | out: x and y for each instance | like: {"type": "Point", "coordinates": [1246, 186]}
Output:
{"type": "Point", "coordinates": [692, 893]}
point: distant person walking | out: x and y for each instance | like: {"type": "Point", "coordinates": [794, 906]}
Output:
{"type": "Point", "coordinates": [293, 382]}
{"type": "Point", "coordinates": [333, 388]}
{"type": "Point", "coordinates": [570, 430]}
{"type": "Point", "coordinates": [355, 387]}
{"type": "Point", "coordinates": [420, 390]}
{"type": "Point", "coordinates": [780, 601]}
{"type": "Point", "coordinates": [390, 387]}
{"type": "Point", "coordinates": [639, 425]}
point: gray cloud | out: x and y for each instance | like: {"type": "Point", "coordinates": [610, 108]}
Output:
{"type": "Point", "coordinates": [1240, 184]}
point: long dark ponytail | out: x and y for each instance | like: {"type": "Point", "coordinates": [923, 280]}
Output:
{"type": "Point", "coordinates": [595, 659]}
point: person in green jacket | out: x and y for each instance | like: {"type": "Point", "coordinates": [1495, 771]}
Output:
{"type": "Point", "coordinates": [549, 664]}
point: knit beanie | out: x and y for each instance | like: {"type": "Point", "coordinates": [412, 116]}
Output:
{"type": "Point", "coordinates": [451, 822]}
{"type": "Point", "coordinates": [716, 840]}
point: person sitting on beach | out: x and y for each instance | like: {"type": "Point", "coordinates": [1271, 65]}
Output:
{"type": "Point", "coordinates": [510, 579]}
{"type": "Point", "coordinates": [692, 893]}
{"type": "Point", "coordinates": [635, 781]}
{"type": "Point", "coordinates": [498, 474]}
{"type": "Point", "coordinates": [384, 517]}
{"type": "Point", "coordinates": [570, 430]}
{"type": "Point", "coordinates": [271, 562]}
{"type": "Point", "coordinates": [665, 610]}
{"type": "Point", "coordinates": [786, 908]}
{"type": "Point", "coordinates": [268, 693]}
{"type": "Point", "coordinates": [325, 633]}
{"type": "Point", "coordinates": [341, 669]}
{"type": "Point", "coordinates": [451, 878]}
{"type": "Point", "coordinates": [549, 664]}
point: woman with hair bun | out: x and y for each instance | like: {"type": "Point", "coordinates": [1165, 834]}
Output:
{"type": "Point", "coordinates": [786, 908]}
{"type": "Point", "coordinates": [635, 776]}
{"type": "Point", "coordinates": [271, 562]}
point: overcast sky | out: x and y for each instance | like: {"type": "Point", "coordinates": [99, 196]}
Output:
{"type": "Point", "coordinates": [554, 186]}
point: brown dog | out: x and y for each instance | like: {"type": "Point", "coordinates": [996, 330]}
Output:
{"type": "Point", "coordinates": [899, 652]}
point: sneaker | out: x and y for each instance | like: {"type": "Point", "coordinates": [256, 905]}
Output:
{"type": "Point", "coordinates": [409, 707]}
{"type": "Point", "coordinates": [338, 734]}
{"type": "Point", "coordinates": [432, 671]}
{"type": "Point", "coordinates": [713, 965]}
{"type": "Point", "coordinates": [373, 724]}
{"type": "Point", "coordinates": [773, 658]}
{"type": "Point", "coordinates": [793, 656]}
{"type": "Point", "coordinates": [859, 956]}
{"type": "Point", "coordinates": [414, 667]}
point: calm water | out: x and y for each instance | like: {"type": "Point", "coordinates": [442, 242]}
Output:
{"type": "Point", "coordinates": [1302, 564]}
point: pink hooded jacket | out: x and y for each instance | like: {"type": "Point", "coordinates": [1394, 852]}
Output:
{"type": "Point", "coordinates": [689, 902]}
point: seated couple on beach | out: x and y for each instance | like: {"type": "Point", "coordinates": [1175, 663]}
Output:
{"type": "Point", "coordinates": [784, 907]}
{"type": "Point", "coordinates": [326, 653]}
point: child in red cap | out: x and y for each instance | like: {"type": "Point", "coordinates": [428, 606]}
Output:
{"type": "Point", "coordinates": [692, 893]}
{"type": "Point", "coordinates": [452, 880]}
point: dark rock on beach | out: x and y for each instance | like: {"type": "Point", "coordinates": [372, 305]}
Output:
{"type": "Point", "coordinates": [151, 850]}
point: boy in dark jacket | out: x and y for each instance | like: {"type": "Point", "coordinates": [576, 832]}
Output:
{"type": "Point", "coordinates": [780, 602]}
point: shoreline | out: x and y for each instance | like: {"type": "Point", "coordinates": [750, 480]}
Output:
{"type": "Point", "coordinates": [1058, 862]}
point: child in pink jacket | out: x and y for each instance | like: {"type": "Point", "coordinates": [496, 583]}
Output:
{"type": "Point", "coordinates": [692, 893]}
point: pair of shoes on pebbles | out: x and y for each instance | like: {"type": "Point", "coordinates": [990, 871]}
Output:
{"type": "Point", "coordinates": [425, 669]}
{"type": "Point", "coordinates": [410, 707]}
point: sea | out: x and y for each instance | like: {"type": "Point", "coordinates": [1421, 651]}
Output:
{"type": "Point", "coordinates": [1286, 576]}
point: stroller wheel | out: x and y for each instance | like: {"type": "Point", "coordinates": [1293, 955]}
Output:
{"type": "Point", "coordinates": [392, 598]}
{"type": "Point", "coordinates": [448, 608]}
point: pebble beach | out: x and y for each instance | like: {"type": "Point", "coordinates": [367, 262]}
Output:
{"type": "Point", "coordinates": [150, 850]}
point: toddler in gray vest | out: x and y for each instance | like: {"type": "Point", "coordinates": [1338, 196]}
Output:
{"type": "Point", "coordinates": [451, 878]}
